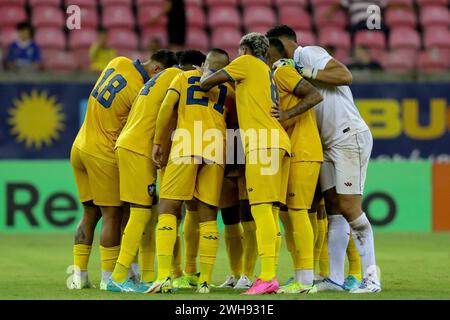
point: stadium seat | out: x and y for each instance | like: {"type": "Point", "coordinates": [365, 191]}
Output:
{"type": "Point", "coordinates": [10, 16]}
{"type": "Point", "coordinates": [197, 38]}
{"type": "Point", "coordinates": [140, 3]}
{"type": "Point", "coordinates": [7, 36]}
{"type": "Point", "coordinates": [402, 3]}
{"type": "Point", "coordinates": [257, 28]}
{"type": "Point", "coordinates": [259, 16]}
{"type": "Point", "coordinates": [194, 2]}
{"type": "Point", "coordinates": [399, 61]}
{"type": "Point", "coordinates": [87, 4]}
{"type": "Point", "coordinates": [247, 3]}
{"type": "Point", "coordinates": [404, 38]}
{"type": "Point", "coordinates": [214, 3]}
{"type": "Point", "coordinates": [146, 13]}
{"type": "Point", "coordinates": [48, 3]}
{"type": "Point", "coordinates": [433, 60]}
{"type": "Point", "coordinates": [50, 38]}
{"type": "Point", "coordinates": [195, 16]}
{"type": "Point", "coordinates": [295, 17]}
{"type": "Point", "coordinates": [226, 37]}
{"type": "Point", "coordinates": [17, 3]}
{"type": "Point", "coordinates": [281, 3]}
{"type": "Point", "coordinates": [338, 19]}
{"type": "Point", "coordinates": [370, 39]}
{"type": "Point", "coordinates": [400, 18]}
{"type": "Point", "coordinates": [60, 61]}
{"type": "Point", "coordinates": [224, 17]}
{"type": "Point", "coordinates": [89, 18]}
{"type": "Point", "coordinates": [306, 38]}
{"type": "Point", "coordinates": [45, 16]}
{"type": "Point", "coordinates": [117, 17]}
{"type": "Point", "coordinates": [436, 37]}
{"type": "Point", "coordinates": [425, 3]}
{"type": "Point", "coordinates": [340, 39]}
{"type": "Point", "coordinates": [82, 58]}
{"type": "Point", "coordinates": [82, 39]}
{"type": "Point", "coordinates": [122, 39]}
{"type": "Point", "coordinates": [107, 3]}
{"type": "Point", "coordinates": [149, 33]}
{"type": "Point", "coordinates": [435, 16]}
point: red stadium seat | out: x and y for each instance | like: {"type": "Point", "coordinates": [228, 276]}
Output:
{"type": "Point", "coordinates": [198, 39]}
{"type": "Point", "coordinates": [424, 3]}
{"type": "Point", "coordinates": [154, 32]}
{"type": "Point", "coordinates": [259, 16]}
{"type": "Point", "coordinates": [402, 3]}
{"type": "Point", "coordinates": [82, 39]}
{"type": "Point", "coordinates": [226, 37]}
{"type": "Point", "coordinates": [82, 58]}
{"type": "Point", "coordinates": [370, 39]}
{"type": "Point", "coordinates": [48, 3]}
{"type": "Point", "coordinates": [281, 3]}
{"type": "Point", "coordinates": [400, 18]}
{"type": "Point", "coordinates": [16, 3]}
{"type": "Point", "coordinates": [10, 16]}
{"type": "Point", "coordinates": [295, 17]}
{"type": "Point", "coordinates": [194, 2]}
{"type": "Point", "coordinates": [60, 61]}
{"type": "Point", "coordinates": [140, 3]}
{"type": "Point", "coordinates": [50, 38]}
{"type": "Point", "coordinates": [436, 37]}
{"type": "Point", "coordinates": [195, 16]}
{"type": "Point", "coordinates": [435, 16]}
{"type": "Point", "coordinates": [88, 4]}
{"type": "Point", "coordinates": [122, 39]}
{"type": "Point", "coordinates": [125, 3]}
{"type": "Point", "coordinates": [44, 16]}
{"type": "Point", "coordinates": [434, 60]}
{"type": "Point", "coordinates": [224, 17]}
{"type": "Point", "coordinates": [306, 38]}
{"type": "Point", "coordinates": [340, 39]}
{"type": "Point", "coordinates": [324, 3]}
{"type": "Point", "coordinates": [7, 36]}
{"type": "Point", "coordinates": [338, 19]}
{"type": "Point", "coordinates": [247, 3]}
{"type": "Point", "coordinates": [213, 3]}
{"type": "Point", "coordinates": [404, 38]}
{"type": "Point", "coordinates": [89, 18]}
{"type": "Point", "coordinates": [399, 60]}
{"type": "Point", "coordinates": [257, 28]}
{"type": "Point", "coordinates": [117, 17]}
{"type": "Point", "coordinates": [145, 14]}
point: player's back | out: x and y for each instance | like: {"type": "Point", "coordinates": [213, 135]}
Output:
{"type": "Point", "coordinates": [138, 133]}
{"type": "Point", "coordinates": [108, 107]}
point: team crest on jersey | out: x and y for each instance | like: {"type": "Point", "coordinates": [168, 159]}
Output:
{"type": "Point", "coordinates": [151, 189]}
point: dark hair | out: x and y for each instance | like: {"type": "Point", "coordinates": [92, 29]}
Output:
{"type": "Point", "coordinates": [282, 30]}
{"type": "Point", "coordinates": [23, 25]}
{"type": "Point", "coordinates": [193, 57]}
{"type": "Point", "coordinates": [220, 51]}
{"type": "Point", "coordinates": [278, 45]}
{"type": "Point", "coordinates": [166, 57]}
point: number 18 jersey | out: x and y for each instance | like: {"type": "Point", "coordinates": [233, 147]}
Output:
{"type": "Point", "coordinates": [108, 107]}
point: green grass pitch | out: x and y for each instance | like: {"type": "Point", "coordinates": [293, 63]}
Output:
{"type": "Point", "coordinates": [33, 266]}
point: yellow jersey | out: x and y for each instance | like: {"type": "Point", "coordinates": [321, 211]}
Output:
{"type": "Point", "coordinates": [256, 94]}
{"type": "Point", "coordinates": [201, 115]}
{"type": "Point", "coordinates": [303, 131]}
{"type": "Point", "coordinates": [138, 133]}
{"type": "Point", "coordinates": [108, 107]}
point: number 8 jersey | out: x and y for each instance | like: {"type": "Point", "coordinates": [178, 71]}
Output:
{"type": "Point", "coordinates": [108, 107]}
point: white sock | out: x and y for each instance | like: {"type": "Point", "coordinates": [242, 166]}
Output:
{"type": "Point", "coordinates": [305, 276]}
{"type": "Point", "coordinates": [363, 237]}
{"type": "Point", "coordinates": [83, 275]}
{"type": "Point", "coordinates": [106, 275]}
{"type": "Point", "coordinates": [338, 236]}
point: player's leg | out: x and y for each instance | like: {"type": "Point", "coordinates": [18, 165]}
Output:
{"type": "Point", "coordinates": [324, 264]}
{"type": "Point", "coordinates": [288, 236]}
{"type": "Point", "coordinates": [249, 245]}
{"type": "Point", "coordinates": [354, 277]}
{"type": "Point", "coordinates": [133, 272]}
{"type": "Point", "coordinates": [147, 248]}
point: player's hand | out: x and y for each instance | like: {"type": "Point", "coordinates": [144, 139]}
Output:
{"type": "Point", "coordinates": [279, 114]}
{"type": "Point", "coordinates": [284, 62]}
{"type": "Point", "coordinates": [157, 155]}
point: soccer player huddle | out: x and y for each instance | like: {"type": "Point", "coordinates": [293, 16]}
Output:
{"type": "Point", "coordinates": [272, 135]}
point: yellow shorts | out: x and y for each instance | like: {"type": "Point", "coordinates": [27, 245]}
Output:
{"type": "Point", "coordinates": [137, 177]}
{"type": "Point", "coordinates": [267, 182]}
{"type": "Point", "coordinates": [242, 187]}
{"type": "Point", "coordinates": [184, 181]}
{"type": "Point", "coordinates": [230, 193]}
{"type": "Point", "coordinates": [97, 180]}
{"type": "Point", "coordinates": [303, 177]}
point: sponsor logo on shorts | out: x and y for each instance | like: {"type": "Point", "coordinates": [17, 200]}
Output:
{"type": "Point", "coordinates": [291, 194]}
{"type": "Point", "coordinates": [210, 237]}
{"type": "Point", "coordinates": [165, 228]}
{"type": "Point", "coordinates": [151, 189]}
{"type": "Point", "coordinates": [348, 184]}
{"type": "Point", "coordinates": [250, 189]}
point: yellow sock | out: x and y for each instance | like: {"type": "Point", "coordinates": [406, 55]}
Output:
{"type": "Point", "coordinates": [209, 236]}
{"type": "Point", "coordinates": [166, 236]}
{"type": "Point", "coordinates": [191, 238]}
{"type": "Point", "coordinates": [276, 217]}
{"type": "Point", "coordinates": [303, 239]}
{"type": "Point", "coordinates": [284, 216]}
{"type": "Point", "coordinates": [108, 257]}
{"type": "Point", "coordinates": [147, 249]}
{"type": "Point", "coordinates": [176, 261]}
{"type": "Point", "coordinates": [233, 243]}
{"type": "Point", "coordinates": [249, 247]}
{"type": "Point", "coordinates": [266, 237]}
{"type": "Point", "coordinates": [81, 253]}
{"type": "Point", "coordinates": [321, 234]}
{"type": "Point", "coordinates": [354, 260]}
{"type": "Point", "coordinates": [323, 262]}
{"type": "Point", "coordinates": [313, 219]}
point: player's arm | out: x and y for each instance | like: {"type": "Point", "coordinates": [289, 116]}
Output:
{"type": "Point", "coordinates": [210, 80]}
{"type": "Point", "coordinates": [335, 73]}
{"type": "Point", "coordinates": [162, 122]}
{"type": "Point", "coordinates": [310, 97]}
{"type": "Point", "coordinates": [237, 70]}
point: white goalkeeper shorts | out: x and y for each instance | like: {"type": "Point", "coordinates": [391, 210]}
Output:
{"type": "Point", "coordinates": [345, 164]}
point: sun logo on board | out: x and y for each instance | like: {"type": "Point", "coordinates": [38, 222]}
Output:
{"type": "Point", "coordinates": [36, 119]}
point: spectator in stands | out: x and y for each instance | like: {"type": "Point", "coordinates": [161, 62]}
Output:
{"type": "Point", "coordinates": [176, 24]}
{"type": "Point", "coordinates": [363, 61]}
{"type": "Point", "coordinates": [24, 54]}
{"type": "Point", "coordinates": [100, 54]}
{"type": "Point", "coordinates": [154, 45]}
